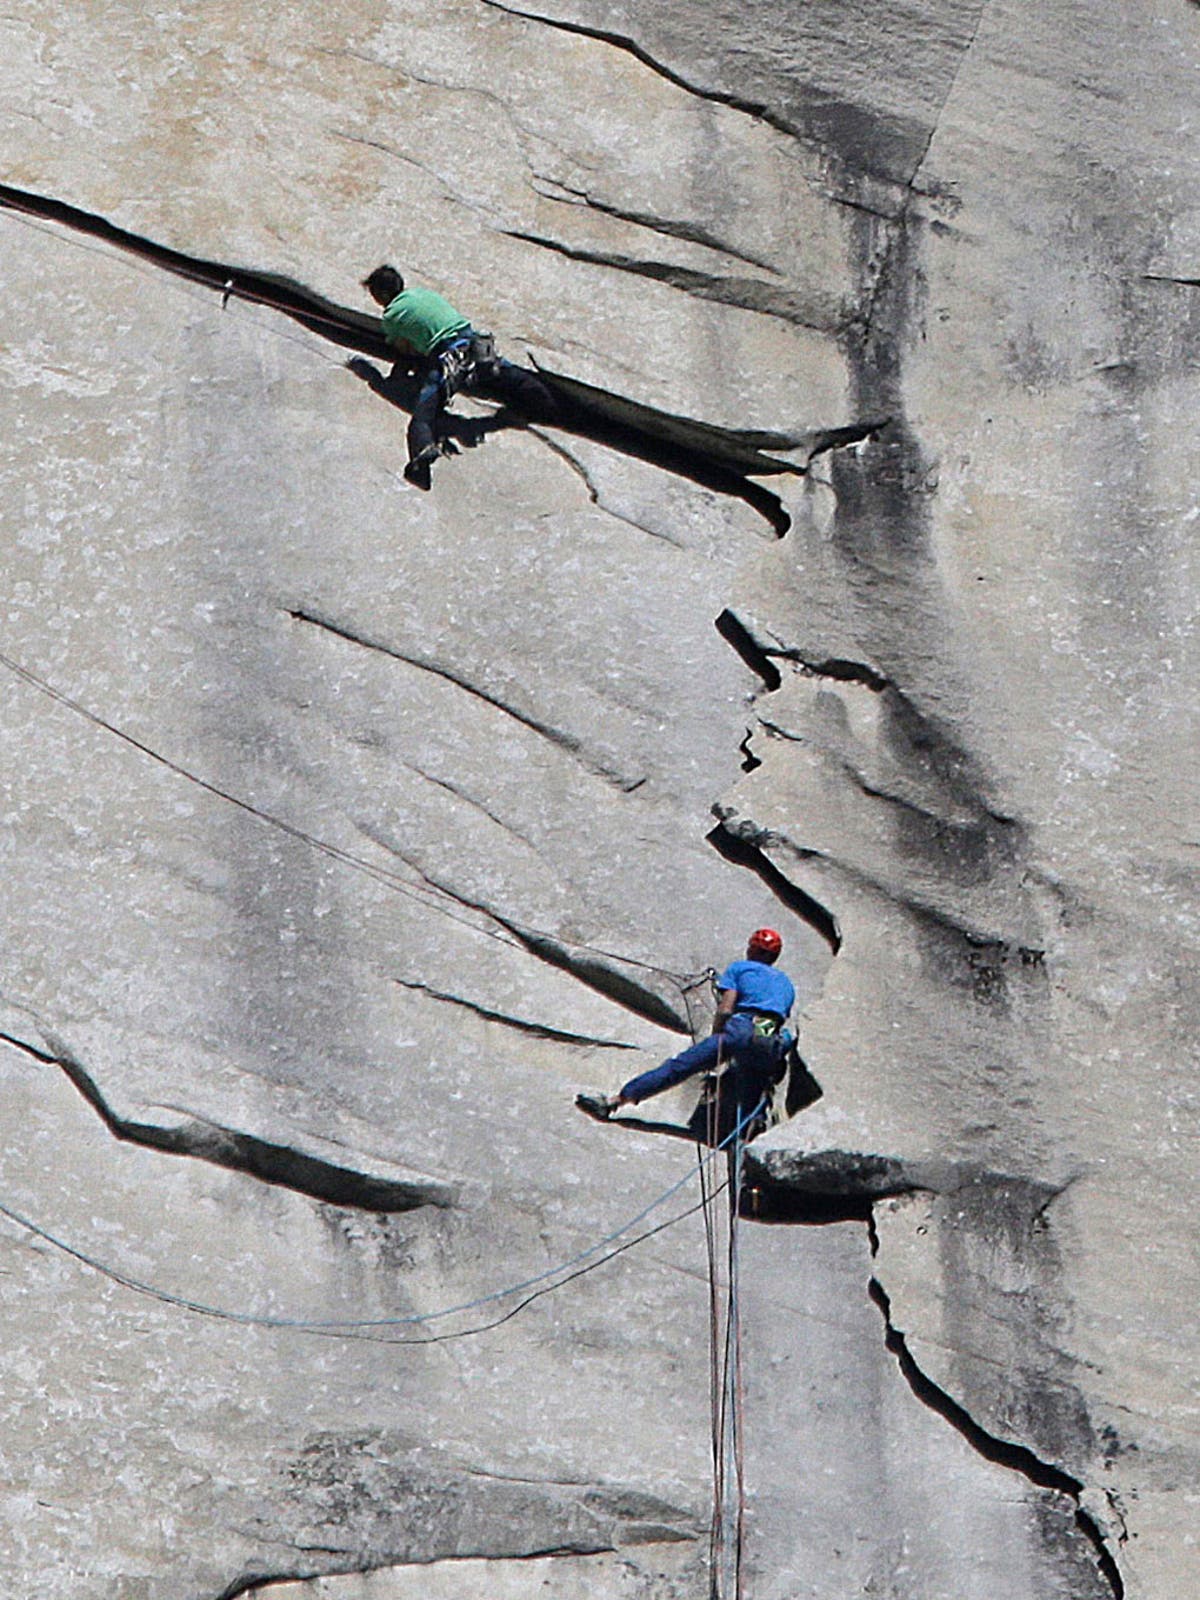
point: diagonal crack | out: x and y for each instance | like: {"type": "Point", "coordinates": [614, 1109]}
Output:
{"type": "Point", "coordinates": [537, 1030]}
{"type": "Point", "coordinates": [561, 738]}
{"type": "Point", "coordinates": [1003, 1452]}
{"type": "Point", "coordinates": [714, 456]}
{"type": "Point", "coordinates": [271, 1162]}
{"type": "Point", "coordinates": [747, 294]}
{"type": "Point", "coordinates": [343, 326]}
{"type": "Point", "coordinates": [739, 638]}
{"type": "Point", "coordinates": [744, 852]}
{"type": "Point", "coordinates": [599, 970]}
{"type": "Point", "coordinates": [594, 495]}
{"type": "Point", "coordinates": [670, 228]}
{"type": "Point", "coordinates": [758, 110]}
{"type": "Point", "coordinates": [953, 84]}
{"type": "Point", "coordinates": [468, 799]}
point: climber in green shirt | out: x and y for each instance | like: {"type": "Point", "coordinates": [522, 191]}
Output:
{"type": "Point", "coordinates": [454, 356]}
{"type": "Point", "coordinates": [419, 319]}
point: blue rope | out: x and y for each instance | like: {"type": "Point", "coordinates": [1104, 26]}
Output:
{"type": "Point", "coordinates": [347, 1328]}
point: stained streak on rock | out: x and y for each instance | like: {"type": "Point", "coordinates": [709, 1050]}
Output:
{"type": "Point", "coordinates": [538, 1030]}
{"type": "Point", "coordinates": [334, 852]}
{"type": "Point", "coordinates": [277, 1164]}
{"type": "Point", "coordinates": [1002, 1452]}
{"type": "Point", "coordinates": [559, 737]}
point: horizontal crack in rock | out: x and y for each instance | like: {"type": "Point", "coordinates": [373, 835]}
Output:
{"type": "Point", "coordinates": [260, 1583]}
{"type": "Point", "coordinates": [273, 1163]}
{"type": "Point", "coordinates": [836, 667]}
{"type": "Point", "coordinates": [824, 1185]}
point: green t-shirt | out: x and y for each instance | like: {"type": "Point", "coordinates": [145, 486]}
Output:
{"type": "Point", "coordinates": [420, 319]}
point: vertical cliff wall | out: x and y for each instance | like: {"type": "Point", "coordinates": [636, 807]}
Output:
{"type": "Point", "coordinates": [350, 831]}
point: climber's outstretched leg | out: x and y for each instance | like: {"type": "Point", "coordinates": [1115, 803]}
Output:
{"type": "Point", "coordinates": [521, 388]}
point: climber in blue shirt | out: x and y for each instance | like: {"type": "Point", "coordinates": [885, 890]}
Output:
{"type": "Point", "coordinates": [754, 1001]}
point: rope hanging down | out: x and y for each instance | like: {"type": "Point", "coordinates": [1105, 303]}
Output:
{"type": "Point", "coordinates": [727, 1534]}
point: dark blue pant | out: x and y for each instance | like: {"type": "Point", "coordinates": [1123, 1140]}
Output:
{"type": "Point", "coordinates": [756, 1060]}
{"type": "Point", "coordinates": [506, 382]}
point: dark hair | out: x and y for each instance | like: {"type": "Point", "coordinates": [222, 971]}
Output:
{"type": "Point", "coordinates": [384, 284]}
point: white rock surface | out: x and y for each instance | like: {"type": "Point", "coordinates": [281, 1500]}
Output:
{"type": "Point", "coordinates": [350, 831]}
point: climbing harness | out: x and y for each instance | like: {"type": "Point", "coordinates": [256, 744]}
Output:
{"type": "Point", "coordinates": [456, 367]}
{"type": "Point", "coordinates": [485, 356]}
{"type": "Point", "coordinates": [466, 362]}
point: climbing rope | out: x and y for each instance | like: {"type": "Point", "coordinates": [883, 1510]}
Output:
{"type": "Point", "coordinates": [726, 1387]}
{"type": "Point", "coordinates": [425, 894]}
{"type": "Point", "coordinates": [368, 1327]}
{"type": "Point", "coordinates": [733, 1362]}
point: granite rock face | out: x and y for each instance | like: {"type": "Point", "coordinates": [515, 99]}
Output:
{"type": "Point", "coordinates": [350, 831]}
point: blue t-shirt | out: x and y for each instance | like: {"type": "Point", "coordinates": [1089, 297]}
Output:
{"type": "Point", "coordinates": [759, 987]}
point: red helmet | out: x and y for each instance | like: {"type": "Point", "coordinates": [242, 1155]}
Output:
{"type": "Point", "coordinates": [765, 942]}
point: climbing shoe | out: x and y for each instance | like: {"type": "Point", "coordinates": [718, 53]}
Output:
{"type": "Point", "coordinates": [417, 471]}
{"type": "Point", "coordinates": [600, 1106]}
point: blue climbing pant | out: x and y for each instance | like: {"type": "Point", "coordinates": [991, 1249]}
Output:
{"type": "Point", "coordinates": [756, 1060]}
{"type": "Point", "coordinates": [503, 381]}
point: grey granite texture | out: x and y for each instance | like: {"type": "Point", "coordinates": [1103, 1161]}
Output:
{"type": "Point", "coordinates": [349, 831]}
